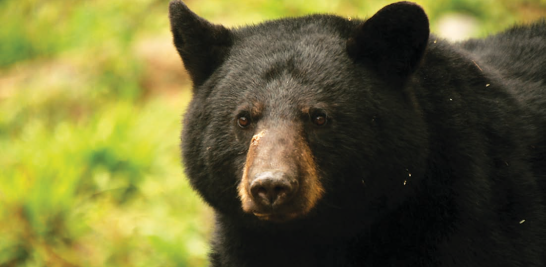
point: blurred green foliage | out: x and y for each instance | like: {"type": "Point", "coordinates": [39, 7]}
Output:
{"type": "Point", "coordinates": [91, 96]}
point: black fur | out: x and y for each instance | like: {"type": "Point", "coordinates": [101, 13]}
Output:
{"type": "Point", "coordinates": [434, 153]}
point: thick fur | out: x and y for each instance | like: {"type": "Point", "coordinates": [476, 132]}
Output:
{"type": "Point", "coordinates": [434, 154]}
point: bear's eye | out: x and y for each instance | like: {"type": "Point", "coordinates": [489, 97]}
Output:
{"type": "Point", "coordinates": [243, 121]}
{"type": "Point", "coordinates": [319, 118]}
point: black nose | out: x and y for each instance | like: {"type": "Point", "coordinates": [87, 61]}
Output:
{"type": "Point", "coordinates": [272, 188]}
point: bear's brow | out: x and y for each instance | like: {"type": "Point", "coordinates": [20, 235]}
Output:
{"type": "Point", "coordinates": [280, 67]}
{"type": "Point", "coordinates": [256, 109]}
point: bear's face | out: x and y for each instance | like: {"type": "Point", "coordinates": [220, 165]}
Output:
{"type": "Point", "coordinates": [284, 108]}
{"type": "Point", "coordinates": [295, 117]}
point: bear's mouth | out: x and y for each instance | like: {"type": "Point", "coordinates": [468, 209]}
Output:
{"type": "Point", "coordinates": [275, 217]}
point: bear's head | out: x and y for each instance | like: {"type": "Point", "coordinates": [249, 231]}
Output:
{"type": "Point", "coordinates": [303, 117]}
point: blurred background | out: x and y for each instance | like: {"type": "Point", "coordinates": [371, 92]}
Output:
{"type": "Point", "coordinates": [92, 93]}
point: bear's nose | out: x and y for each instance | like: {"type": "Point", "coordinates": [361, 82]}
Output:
{"type": "Point", "coordinates": [272, 188]}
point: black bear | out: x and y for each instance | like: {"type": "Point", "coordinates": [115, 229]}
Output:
{"type": "Point", "coordinates": [324, 141]}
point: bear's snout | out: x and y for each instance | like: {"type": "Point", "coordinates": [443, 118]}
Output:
{"type": "Point", "coordinates": [279, 180]}
{"type": "Point", "coordinates": [271, 189]}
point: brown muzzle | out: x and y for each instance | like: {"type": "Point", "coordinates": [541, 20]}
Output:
{"type": "Point", "coordinates": [280, 180]}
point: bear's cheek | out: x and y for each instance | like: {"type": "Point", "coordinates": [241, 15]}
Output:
{"type": "Point", "coordinates": [279, 180]}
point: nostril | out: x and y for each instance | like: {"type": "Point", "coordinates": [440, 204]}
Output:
{"type": "Point", "coordinates": [281, 191]}
{"type": "Point", "coordinates": [262, 192]}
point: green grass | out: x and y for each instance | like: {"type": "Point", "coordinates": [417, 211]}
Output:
{"type": "Point", "coordinates": [103, 190]}
{"type": "Point", "coordinates": [91, 98]}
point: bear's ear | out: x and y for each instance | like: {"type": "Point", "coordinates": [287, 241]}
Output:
{"type": "Point", "coordinates": [203, 46]}
{"type": "Point", "coordinates": [392, 41]}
